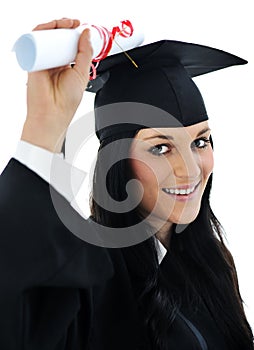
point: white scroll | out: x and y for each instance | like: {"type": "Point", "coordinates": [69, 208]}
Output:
{"type": "Point", "coordinates": [44, 49]}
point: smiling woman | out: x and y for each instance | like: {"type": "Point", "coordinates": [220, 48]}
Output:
{"type": "Point", "coordinates": [170, 282]}
{"type": "Point", "coordinates": [164, 139]}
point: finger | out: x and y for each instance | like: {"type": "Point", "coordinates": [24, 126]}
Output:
{"type": "Point", "coordinates": [85, 53]}
{"type": "Point", "coordinates": [59, 23]}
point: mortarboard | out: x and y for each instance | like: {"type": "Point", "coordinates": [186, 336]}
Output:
{"type": "Point", "coordinates": [160, 92]}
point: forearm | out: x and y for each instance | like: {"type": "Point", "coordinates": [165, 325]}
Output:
{"type": "Point", "coordinates": [43, 133]}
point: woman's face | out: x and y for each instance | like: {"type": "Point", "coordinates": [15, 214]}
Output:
{"type": "Point", "coordinates": [173, 166]}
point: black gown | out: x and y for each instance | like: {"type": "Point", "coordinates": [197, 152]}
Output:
{"type": "Point", "coordinates": [58, 292]}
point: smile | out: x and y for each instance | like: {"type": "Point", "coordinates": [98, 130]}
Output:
{"type": "Point", "coordinates": [181, 191]}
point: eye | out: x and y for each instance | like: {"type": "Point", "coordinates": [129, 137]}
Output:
{"type": "Point", "coordinates": [201, 143]}
{"type": "Point", "coordinates": [159, 150]}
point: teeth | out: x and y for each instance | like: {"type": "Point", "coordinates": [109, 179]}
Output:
{"type": "Point", "coordinates": [179, 191]}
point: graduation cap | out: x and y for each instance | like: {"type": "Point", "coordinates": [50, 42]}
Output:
{"type": "Point", "coordinates": [152, 86]}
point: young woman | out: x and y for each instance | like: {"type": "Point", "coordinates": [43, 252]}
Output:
{"type": "Point", "coordinates": [160, 276]}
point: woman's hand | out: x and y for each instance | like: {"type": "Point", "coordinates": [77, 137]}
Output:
{"type": "Point", "coordinates": [54, 95]}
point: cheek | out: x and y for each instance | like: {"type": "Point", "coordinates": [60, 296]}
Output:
{"type": "Point", "coordinates": [142, 172]}
{"type": "Point", "coordinates": [207, 163]}
{"type": "Point", "coordinates": [151, 173]}
{"type": "Point", "coordinates": [149, 185]}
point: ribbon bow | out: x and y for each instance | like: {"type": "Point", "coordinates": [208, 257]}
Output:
{"type": "Point", "coordinates": [108, 37]}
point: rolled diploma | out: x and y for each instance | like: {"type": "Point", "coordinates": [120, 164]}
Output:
{"type": "Point", "coordinates": [44, 49]}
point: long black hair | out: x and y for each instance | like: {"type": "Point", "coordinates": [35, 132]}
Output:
{"type": "Point", "coordinates": [198, 261]}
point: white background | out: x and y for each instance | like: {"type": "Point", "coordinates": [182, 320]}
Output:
{"type": "Point", "coordinates": [224, 24]}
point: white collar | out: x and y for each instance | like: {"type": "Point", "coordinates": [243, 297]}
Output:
{"type": "Point", "coordinates": [161, 250]}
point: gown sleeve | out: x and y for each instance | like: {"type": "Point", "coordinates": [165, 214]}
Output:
{"type": "Point", "coordinates": [44, 267]}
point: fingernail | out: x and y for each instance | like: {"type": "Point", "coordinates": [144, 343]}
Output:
{"type": "Point", "coordinates": [88, 33]}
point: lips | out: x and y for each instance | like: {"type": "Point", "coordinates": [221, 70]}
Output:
{"type": "Point", "coordinates": [183, 190]}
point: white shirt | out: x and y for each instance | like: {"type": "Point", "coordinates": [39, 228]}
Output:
{"type": "Point", "coordinates": [51, 167]}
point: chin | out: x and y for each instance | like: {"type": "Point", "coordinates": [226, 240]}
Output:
{"type": "Point", "coordinates": [183, 219]}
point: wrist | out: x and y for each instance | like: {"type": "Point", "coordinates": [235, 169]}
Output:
{"type": "Point", "coordinates": [43, 134]}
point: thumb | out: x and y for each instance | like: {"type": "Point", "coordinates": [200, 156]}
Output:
{"type": "Point", "coordinates": [84, 55]}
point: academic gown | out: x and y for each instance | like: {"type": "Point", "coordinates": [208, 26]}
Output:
{"type": "Point", "coordinates": [58, 292]}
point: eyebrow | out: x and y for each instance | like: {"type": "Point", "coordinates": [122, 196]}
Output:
{"type": "Point", "coordinates": [169, 137]}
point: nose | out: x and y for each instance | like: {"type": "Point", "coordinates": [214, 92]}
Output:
{"type": "Point", "coordinates": [187, 165]}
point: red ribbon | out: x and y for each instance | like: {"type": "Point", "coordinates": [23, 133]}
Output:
{"type": "Point", "coordinates": [107, 37]}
